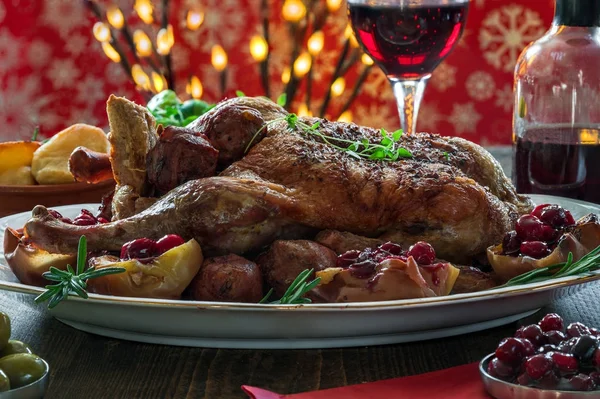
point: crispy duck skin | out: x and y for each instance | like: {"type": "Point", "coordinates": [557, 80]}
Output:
{"type": "Point", "coordinates": [290, 182]}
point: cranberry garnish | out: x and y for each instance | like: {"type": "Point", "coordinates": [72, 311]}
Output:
{"type": "Point", "coordinates": [511, 243]}
{"type": "Point", "coordinates": [499, 369]}
{"type": "Point", "coordinates": [347, 258]}
{"type": "Point", "coordinates": [169, 241]}
{"type": "Point", "coordinates": [549, 234]}
{"type": "Point", "coordinates": [55, 213]}
{"type": "Point", "coordinates": [84, 220]}
{"type": "Point", "coordinates": [565, 346]}
{"type": "Point", "coordinates": [139, 249]}
{"type": "Point", "coordinates": [555, 337]}
{"type": "Point", "coordinates": [537, 211]}
{"type": "Point", "coordinates": [102, 220]}
{"type": "Point", "coordinates": [551, 322]}
{"type": "Point", "coordinates": [594, 331]}
{"type": "Point", "coordinates": [535, 249]}
{"type": "Point", "coordinates": [364, 269]}
{"type": "Point", "coordinates": [547, 348]}
{"type": "Point", "coordinates": [582, 382]}
{"type": "Point", "coordinates": [529, 228]}
{"type": "Point", "coordinates": [577, 329]}
{"type": "Point", "coordinates": [549, 381]}
{"type": "Point", "coordinates": [422, 252]}
{"type": "Point", "coordinates": [584, 347]}
{"type": "Point", "coordinates": [566, 363]}
{"type": "Point", "coordinates": [555, 216]}
{"type": "Point", "coordinates": [510, 351]}
{"type": "Point", "coordinates": [569, 218]}
{"type": "Point", "coordinates": [537, 366]}
{"type": "Point", "coordinates": [391, 248]}
{"type": "Point", "coordinates": [533, 333]}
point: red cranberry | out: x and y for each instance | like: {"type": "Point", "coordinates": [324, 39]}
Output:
{"type": "Point", "coordinates": [547, 348]}
{"type": "Point", "coordinates": [528, 347]}
{"type": "Point", "coordinates": [537, 366]}
{"type": "Point", "coordinates": [534, 334]}
{"type": "Point", "coordinates": [595, 376]}
{"type": "Point", "coordinates": [510, 351]}
{"type": "Point", "coordinates": [555, 337]}
{"type": "Point", "coordinates": [102, 220]}
{"type": "Point", "coordinates": [582, 382]}
{"type": "Point", "coordinates": [347, 258]}
{"type": "Point", "coordinates": [529, 228]}
{"type": "Point", "coordinates": [537, 211]}
{"type": "Point", "coordinates": [55, 213]}
{"type": "Point", "coordinates": [139, 249]}
{"type": "Point", "coordinates": [511, 243]}
{"type": "Point", "coordinates": [594, 331]}
{"type": "Point", "coordinates": [391, 248]}
{"type": "Point", "coordinates": [569, 218]}
{"type": "Point", "coordinates": [364, 269]}
{"type": "Point", "coordinates": [549, 234]}
{"type": "Point", "coordinates": [577, 329]}
{"type": "Point", "coordinates": [169, 241]}
{"type": "Point", "coordinates": [84, 220]}
{"type": "Point", "coordinates": [551, 322]}
{"type": "Point", "coordinates": [535, 249]}
{"type": "Point", "coordinates": [423, 253]}
{"type": "Point", "coordinates": [499, 369]}
{"type": "Point", "coordinates": [524, 379]}
{"type": "Point", "coordinates": [565, 346]}
{"type": "Point", "coordinates": [584, 347]}
{"type": "Point", "coordinates": [555, 216]}
{"type": "Point", "coordinates": [549, 381]}
{"type": "Point", "coordinates": [564, 362]}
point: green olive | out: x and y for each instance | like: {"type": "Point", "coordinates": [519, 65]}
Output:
{"type": "Point", "coordinates": [4, 329]}
{"type": "Point", "coordinates": [13, 347]}
{"type": "Point", "coordinates": [4, 382]}
{"type": "Point", "coordinates": [22, 368]}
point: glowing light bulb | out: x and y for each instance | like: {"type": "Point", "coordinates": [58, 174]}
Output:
{"type": "Point", "coordinates": [366, 60]}
{"type": "Point", "coordinates": [334, 5]}
{"type": "Point", "coordinates": [285, 75]}
{"type": "Point", "coordinates": [218, 58]}
{"type": "Point", "coordinates": [195, 87]}
{"type": "Point", "coordinates": [139, 76]}
{"type": "Point", "coordinates": [302, 65]}
{"type": "Point", "coordinates": [303, 110]}
{"type": "Point", "coordinates": [293, 10]}
{"type": "Point", "coordinates": [315, 43]}
{"type": "Point", "coordinates": [194, 19]}
{"type": "Point", "coordinates": [158, 81]}
{"type": "Point", "coordinates": [110, 52]}
{"type": "Point", "coordinates": [259, 48]}
{"type": "Point", "coordinates": [115, 16]}
{"type": "Point", "coordinates": [144, 10]}
{"type": "Point", "coordinates": [338, 86]}
{"type": "Point", "coordinates": [346, 116]}
{"type": "Point", "coordinates": [143, 45]}
{"type": "Point", "coordinates": [165, 40]}
{"type": "Point", "coordinates": [349, 34]}
{"type": "Point", "coordinates": [101, 32]}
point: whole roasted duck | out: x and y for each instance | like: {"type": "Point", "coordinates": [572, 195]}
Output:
{"type": "Point", "coordinates": [292, 184]}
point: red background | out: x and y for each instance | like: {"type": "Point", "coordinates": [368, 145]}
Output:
{"type": "Point", "coordinates": [53, 72]}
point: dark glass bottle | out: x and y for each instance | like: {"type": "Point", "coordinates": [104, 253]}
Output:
{"type": "Point", "coordinates": [556, 121]}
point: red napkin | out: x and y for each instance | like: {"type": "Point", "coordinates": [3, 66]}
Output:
{"type": "Point", "coordinates": [462, 382]}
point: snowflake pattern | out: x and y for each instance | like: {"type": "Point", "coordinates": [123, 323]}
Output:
{"type": "Point", "coordinates": [505, 32]}
{"type": "Point", "coordinates": [63, 73]}
{"type": "Point", "coordinates": [505, 98]}
{"type": "Point", "coordinates": [77, 44]}
{"type": "Point", "coordinates": [464, 118]}
{"type": "Point", "coordinates": [2, 12]}
{"type": "Point", "coordinates": [10, 47]}
{"type": "Point", "coordinates": [429, 118]}
{"type": "Point", "coordinates": [444, 77]}
{"type": "Point", "coordinates": [374, 115]}
{"type": "Point", "coordinates": [64, 16]}
{"type": "Point", "coordinates": [115, 74]}
{"type": "Point", "coordinates": [480, 86]}
{"type": "Point", "coordinates": [39, 53]}
{"type": "Point", "coordinates": [16, 96]}
{"type": "Point", "coordinates": [90, 91]}
{"type": "Point", "coordinates": [377, 86]}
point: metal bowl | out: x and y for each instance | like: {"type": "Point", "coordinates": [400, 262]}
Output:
{"type": "Point", "coordinates": [35, 390]}
{"type": "Point", "coordinates": [505, 390]}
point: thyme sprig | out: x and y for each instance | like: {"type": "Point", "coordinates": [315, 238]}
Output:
{"type": "Point", "coordinates": [72, 282]}
{"type": "Point", "coordinates": [296, 291]}
{"type": "Point", "coordinates": [388, 149]}
{"type": "Point", "coordinates": [584, 266]}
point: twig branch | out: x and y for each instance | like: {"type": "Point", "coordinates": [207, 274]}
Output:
{"type": "Point", "coordinates": [264, 65]}
{"type": "Point", "coordinates": [169, 76]}
{"type": "Point", "coordinates": [357, 87]}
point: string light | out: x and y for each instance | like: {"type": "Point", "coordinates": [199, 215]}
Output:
{"type": "Point", "coordinates": [334, 5]}
{"type": "Point", "coordinates": [346, 116]}
{"type": "Point", "coordinates": [101, 32]}
{"type": "Point", "coordinates": [144, 10]}
{"type": "Point", "coordinates": [338, 86]}
{"type": "Point", "coordinates": [303, 111]}
{"type": "Point", "coordinates": [218, 58]}
{"type": "Point", "coordinates": [140, 77]}
{"type": "Point", "coordinates": [165, 40]}
{"type": "Point", "coordinates": [349, 34]}
{"type": "Point", "coordinates": [302, 65]}
{"type": "Point", "coordinates": [293, 10]}
{"type": "Point", "coordinates": [194, 19]}
{"type": "Point", "coordinates": [115, 17]}
{"type": "Point", "coordinates": [158, 82]}
{"type": "Point", "coordinates": [285, 75]}
{"type": "Point", "coordinates": [110, 52]}
{"type": "Point", "coordinates": [194, 88]}
{"type": "Point", "coordinates": [315, 43]}
{"type": "Point", "coordinates": [143, 45]}
{"type": "Point", "coordinates": [259, 48]}
{"type": "Point", "coordinates": [368, 61]}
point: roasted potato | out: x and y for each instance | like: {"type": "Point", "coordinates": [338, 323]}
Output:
{"type": "Point", "coordinates": [15, 167]}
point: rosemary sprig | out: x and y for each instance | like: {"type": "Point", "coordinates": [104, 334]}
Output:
{"type": "Point", "coordinates": [296, 291]}
{"type": "Point", "coordinates": [72, 282]}
{"type": "Point", "coordinates": [584, 266]}
{"type": "Point", "coordinates": [386, 150]}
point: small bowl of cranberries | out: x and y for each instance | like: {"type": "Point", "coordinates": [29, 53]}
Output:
{"type": "Point", "coordinates": [545, 360]}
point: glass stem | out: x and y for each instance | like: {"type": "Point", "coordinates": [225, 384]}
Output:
{"type": "Point", "coordinates": [408, 95]}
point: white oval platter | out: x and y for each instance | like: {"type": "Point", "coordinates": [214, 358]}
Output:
{"type": "Point", "coordinates": [253, 326]}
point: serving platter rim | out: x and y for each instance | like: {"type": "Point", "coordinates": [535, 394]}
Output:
{"type": "Point", "coordinates": [456, 299]}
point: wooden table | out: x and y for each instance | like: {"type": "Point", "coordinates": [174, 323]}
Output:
{"type": "Point", "coordinates": [89, 366]}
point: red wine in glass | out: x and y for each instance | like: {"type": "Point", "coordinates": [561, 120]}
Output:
{"type": "Point", "coordinates": [408, 40]}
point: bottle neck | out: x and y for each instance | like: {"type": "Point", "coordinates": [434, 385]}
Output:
{"type": "Point", "coordinates": [577, 13]}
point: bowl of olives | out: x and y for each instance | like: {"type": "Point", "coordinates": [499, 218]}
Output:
{"type": "Point", "coordinates": [23, 375]}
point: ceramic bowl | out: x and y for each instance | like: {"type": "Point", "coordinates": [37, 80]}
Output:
{"type": "Point", "coordinates": [35, 390]}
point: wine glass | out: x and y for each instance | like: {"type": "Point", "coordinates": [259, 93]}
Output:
{"type": "Point", "coordinates": [408, 39]}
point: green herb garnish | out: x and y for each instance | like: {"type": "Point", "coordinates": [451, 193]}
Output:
{"type": "Point", "coordinates": [168, 110]}
{"type": "Point", "coordinates": [584, 266]}
{"type": "Point", "coordinates": [387, 150]}
{"type": "Point", "coordinates": [72, 282]}
{"type": "Point", "coordinates": [447, 156]}
{"type": "Point", "coordinates": [36, 132]}
{"type": "Point", "coordinates": [282, 100]}
{"type": "Point", "coordinates": [295, 293]}
{"type": "Point", "coordinates": [240, 93]}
